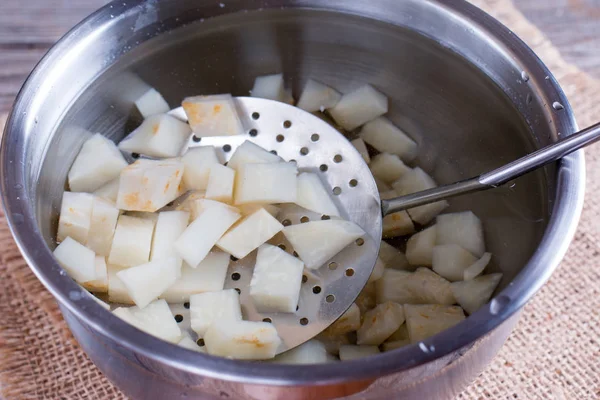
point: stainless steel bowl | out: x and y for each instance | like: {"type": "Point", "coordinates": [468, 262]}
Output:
{"type": "Point", "coordinates": [469, 91]}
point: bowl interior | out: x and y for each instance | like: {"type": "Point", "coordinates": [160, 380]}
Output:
{"type": "Point", "coordinates": [464, 122]}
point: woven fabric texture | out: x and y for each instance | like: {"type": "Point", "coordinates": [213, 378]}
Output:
{"type": "Point", "coordinates": [553, 354]}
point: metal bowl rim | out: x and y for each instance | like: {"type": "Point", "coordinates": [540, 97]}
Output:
{"type": "Point", "coordinates": [561, 228]}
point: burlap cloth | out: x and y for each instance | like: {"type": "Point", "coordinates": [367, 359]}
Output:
{"type": "Point", "coordinates": [553, 354]}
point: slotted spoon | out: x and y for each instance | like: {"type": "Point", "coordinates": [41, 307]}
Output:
{"type": "Point", "coordinates": [315, 146]}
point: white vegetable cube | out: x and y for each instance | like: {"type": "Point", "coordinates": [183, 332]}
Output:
{"type": "Point", "coordinates": [313, 196]}
{"type": "Point", "coordinates": [75, 217]}
{"type": "Point", "coordinates": [214, 115]}
{"type": "Point", "coordinates": [477, 267]}
{"type": "Point", "coordinates": [317, 96]}
{"type": "Point", "coordinates": [220, 183]}
{"type": "Point", "coordinates": [242, 340]}
{"type": "Point", "coordinates": [311, 352]}
{"type": "Point", "coordinates": [198, 161]}
{"type": "Point", "coordinates": [392, 257]}
{"type": "Point", "coordinates": [276, 280]}
{"type": "Point", "coordinates": [187, 343]}
{"type": "Point", "coordinates": [397, 224]}
{"type": "Point", "coordinates": [148, 185]}
{"type": "Point", "coordinates": [109, 191]}
{"type": "Point", "coordinates": [380, 323]}
{"type": "Point", "coordinates": [384, 136]}
{"type": "Point", "coordinates": [100, 283]}
{"type": "Point", "coordinates": [414, 181]}
{"type": "Point", "coordinates": [146, 282]}
{"type": "Point", "coordinates": [158, 136]}
{"type": "Point", "coordinates": [377, 271]}
{"type": "Point", "coordinates": [77, 260]}
{"type": "Point", "coordinates": [420, 287]}
{"type": "Point", "coordinates": [348, 322]}
{"type": "Point", "coordinates": [151, 103]}
{"type": "Point", "coordinates": [250, 153]}
{"type": "Point", "coordinates": [98, 162]}
{"type": "Point", "coordinates": [117, 292]}
{"type": "Point", "coordinates": [361, 147]}
{"type": "Point", "coordinates": [214, 307]}
{"type": "Point", "coordinates": [269, 87]}
{"type": "Point", "coordinates": [351, 352]}
{"type": "Point", "coordinates": [426, 320]}
{"type": "Point", "coordinates": [208, 276]}
{"type": "Point", "coordinates": [102, 226]}
{"type": "Point", "coordinates": [131, 242]}
{"type": "Point", "coordinates": [155, 319]}
{"type": "Point", "coordinates": [419, 248]}
{"type": "Point", "coordinates": [451, 261]}
{"type": "Point", "coordinates": [169, 226]}
{"type": "Point", "coordinates": [463, 229]}
{"type": "Point", "coordinates": [388, 167]}
{"type": "Point", "coordinates": [200, 236]}
{"type": "Point", "coordinates": [358, 107]}
{"type": "Point", "coordinates": [249, 233]}
{"type": "Point", "coordinates": [474, 293]}
{"type": "Point", "coordinates": [318, 241]}
{"type": "Point", "coordinates": [266, 183]}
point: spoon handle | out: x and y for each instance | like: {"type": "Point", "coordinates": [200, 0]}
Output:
{"type": "Point", "coordinates": [499, 176]}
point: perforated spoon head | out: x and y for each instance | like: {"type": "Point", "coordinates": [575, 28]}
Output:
{"type": "Point", "coordinates": [315, 146]}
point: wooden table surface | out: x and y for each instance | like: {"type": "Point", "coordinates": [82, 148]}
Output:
{"type": "Point", "coordinates": [29, 27]}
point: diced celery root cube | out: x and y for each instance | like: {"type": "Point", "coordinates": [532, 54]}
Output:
{"type": "Point", "coordinates": [388, 167]}
{"type": "Point", "coordinates": [209, 308]}
{"type": "Point", "coordinates": [132, 241]}
{"type": "Point", "coordinates": [75, 217]}
{"type": "Point", "coordinates": [77, 260]}
{"type": "Point", "coordinates": [151, 103]}
{"type": "Point", "coordinates": [463, 229]}
{"type": "Point", "coordinates": [158, 136]}
{"type": "Point", "coordinates": [266, 183]}
{"type": "Point", "coordinates": [384, 136]}
{"type": "Point", "coordinates": [98, 162]}
{"type": "Point", "coordinates": [473, 294]}
{"type": "Point", "coordinates": [451, 261]}
{"type": "Point", "coordinates": [276, 280]}
{"type": "Point", "coordinates": [214, 115]}
{"type": "Point", "coordinates": [318, 241]}
{"type": "Point", "coordinates": [148, 185]}
{"type": "Point", "coordinates": [380, 323]}
{"type": "Point", "coordinates": [359, 106]}
{"type": "Point", "coordinates": [197, 162]}
{"type": "Point", "coordinates": [414, 181]}
{"type": "Point", "coordinates": [317, 96]}
{"type": "Point", "coordinates": [208, 276]}
{"type": "Point", "coordinates": [419, 248]}
{"type": "Point", "coordinates": [243, 340]}
{"type": "Point", "coordinates": [249, 233]}
{"type": "Point", "coordinates": [220, 183]}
